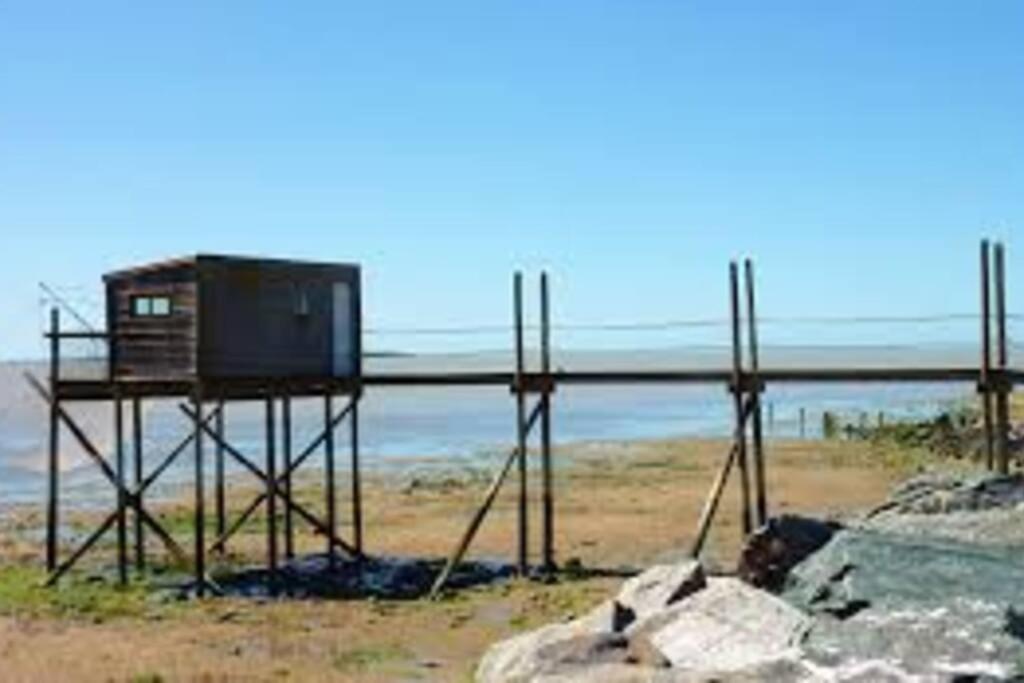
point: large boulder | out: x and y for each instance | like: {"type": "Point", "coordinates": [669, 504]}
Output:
{"type": "Point", "coordinates": [661, 586]}
{"type": "Point", "coordinates": [916, 606]}
{"type": "Point", "coordinates": [727, 627]}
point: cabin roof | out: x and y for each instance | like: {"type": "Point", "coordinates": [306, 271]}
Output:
{"type": "Point", "coordinates": [200, 259]}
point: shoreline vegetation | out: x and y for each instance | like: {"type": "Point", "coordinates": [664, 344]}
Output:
{"type": "Point", "coordinates": [620, 506]}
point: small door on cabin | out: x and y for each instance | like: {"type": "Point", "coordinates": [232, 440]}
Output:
{"type": "Point", "coordinates": [343, 332]}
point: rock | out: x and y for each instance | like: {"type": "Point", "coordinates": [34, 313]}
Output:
{"type": "Point", "coordinates": [660, 586]}
{"type": "Point", "coordinates": [549, 650]}
{"type": "Point", "coordinates": [780, 545]}
{"type": "Point", "coordinates": [608, 617]}
{"type": "Point", "coordinates": [516, 659]}
{"type": "Point", "coordinates": [924, 607]}
{"type": "Point", "coordinates": [727, 627]}
{"type": "Point", "coordinates": [940, 494]}
{"type": "Point", "coordinates": [585, 648]}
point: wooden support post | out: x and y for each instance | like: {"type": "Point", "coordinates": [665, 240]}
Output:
{"type": "Point", "coordinates": [53, 464]}
{"type": "Point", "coordinates": [357, 492]}
{"type": "Point", "coordinates": [715, 494]}
{"type": "Point", "coordinates": [984, 385]}
{"type": "Point", "coordinates": [478, 517]}
{"type": "Point", "coordinates": [523, 554]}
{"type": "Point", "coordinates": [755, 397]}
{"type": "Point", "coordinates": [199, 522]}
{"type": "Point", "coordinates": [740, 432]}
{"type": "Point", "coordinates": [271, 484]}
{"type": "Point", "coordinates": [548, 549]}
{"type": "Point", "coordinates": [1002, 357]}
{"type": "Point", "coordinates": [122, 521]}
{"type": "Point", "coordinates": [286, 484]}
{"type": "Point", "coordinates": [329, 493]}
{"type": "Point", "coordinates": [220, 481]}
{"type": "Point", "coordinates": [139, 472]}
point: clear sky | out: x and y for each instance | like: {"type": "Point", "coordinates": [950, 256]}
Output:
{"type": "Point", "coordinates": [858, 150]}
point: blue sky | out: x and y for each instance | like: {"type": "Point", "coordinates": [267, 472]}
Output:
{"type": "Point", "coordinates": [858, 150]}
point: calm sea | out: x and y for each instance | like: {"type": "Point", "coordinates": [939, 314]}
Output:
{"type": "Point", "coordinates": [414, 428]}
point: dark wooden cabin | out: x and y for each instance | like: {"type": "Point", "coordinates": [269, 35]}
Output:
{"type": "Point", "coordinates": [227, 317]}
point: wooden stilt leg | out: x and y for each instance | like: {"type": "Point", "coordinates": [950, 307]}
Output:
{"type": "Point", "coordinates": [740, 434]}
{"type": "Point", "coordinates": [53, 463]}
{"type": "Point", "coordinates": [357, 493]}
{"type": "Point", "coordinates": [521, 434]}
{"type": "Point", "coordinates": [199, 523]}
{"type": "Point", "coordinates": [331, 499]}
{"type": "Point", "coordinates": [138, 470]}
{"type": "Point", "coordinates": [286, 484]}
{"type": "Point", "coordinates": [271, 484]}
{"type": "Point", "coordinates": [122, 521]}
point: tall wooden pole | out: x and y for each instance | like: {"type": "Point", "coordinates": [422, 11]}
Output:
{"type": "Point", "coordinates": [1002, 397]}
{"type": "Point", "coordinates": [220, 482]}
{"type": "Point", "coordinates": [738, 389]}
{"type": "Point", "coordinates": [523, 555]}
{"type": "Point", "coordinates": [357, 491]}
{"type": "Point", "coordinates": [755, 397]}
{"type": "Point", "coordinates": [138, 470]}
{"type": "Point", "coordinates": [986, 357]}
{"type": "Point", "coordinates": [286, 455]}
{"type": "Point", "coordinates": [548, 550]}
{"type": "Point", "coordinates": [122, 521]}
{"type": "Point", "coordinates": [199, 522]}
{"type": "Point", "coordinates": [53, 464]}
{"type": "Point", "coordinates": [271, 501]}
{"type": "Point", "coordinates": [329, 493]}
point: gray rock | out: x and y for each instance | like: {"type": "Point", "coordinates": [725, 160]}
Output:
{"type": "Point", "coordinates": [608, 617]}
{"type": "Point", "coordinates": [920, 606]}
{"type": "Point", "coordinates": [550, 650]}
{"type": "Point", "coordinates": [516, 659]}
{"type": "Point", "coordinates": [661, 586]}
{"type": "Point", "coordinates": [944, 493]}
{"type": "Point", "coordinates": [727, 627]}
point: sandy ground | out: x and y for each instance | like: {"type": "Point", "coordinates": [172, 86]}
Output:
{"type": "Point", "coordinates": [617, 504]}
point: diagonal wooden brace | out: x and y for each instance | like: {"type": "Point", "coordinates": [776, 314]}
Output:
{"type": "Point", "coordinates": [715, 495]}
{"type": "Point", "coordinates": [311, 519]}
{"type": "Point", "coordinates": [131, 499]}
{"type": "Point", "coordinates": [219, 543]}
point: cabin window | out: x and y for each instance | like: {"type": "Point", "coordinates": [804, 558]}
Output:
{"type": "Point", "coordinates": [151, 306]}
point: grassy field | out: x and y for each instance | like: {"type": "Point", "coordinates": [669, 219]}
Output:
{"type": "Point", "coordinates": [618, 504]}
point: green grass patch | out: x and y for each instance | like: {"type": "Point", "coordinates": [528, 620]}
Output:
{"type": "Point", "coordinates": [22, 594]}
{"type": "Point", "coordinates": [367, 659]}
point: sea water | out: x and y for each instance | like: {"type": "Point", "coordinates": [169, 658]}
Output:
{"type": "Point", "coordinates": [410, 428]}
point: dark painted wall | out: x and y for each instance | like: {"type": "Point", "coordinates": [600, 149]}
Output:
{"type": "Point", "coordinates": [269, 319]}
{"type": "Point", "coordinates": [153, 347]}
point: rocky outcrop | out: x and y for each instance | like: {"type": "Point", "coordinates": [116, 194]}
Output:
{"type": "Point", "coordinates": [888, 599]}
{"type": "Point", "coordinates": [668, 624]}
